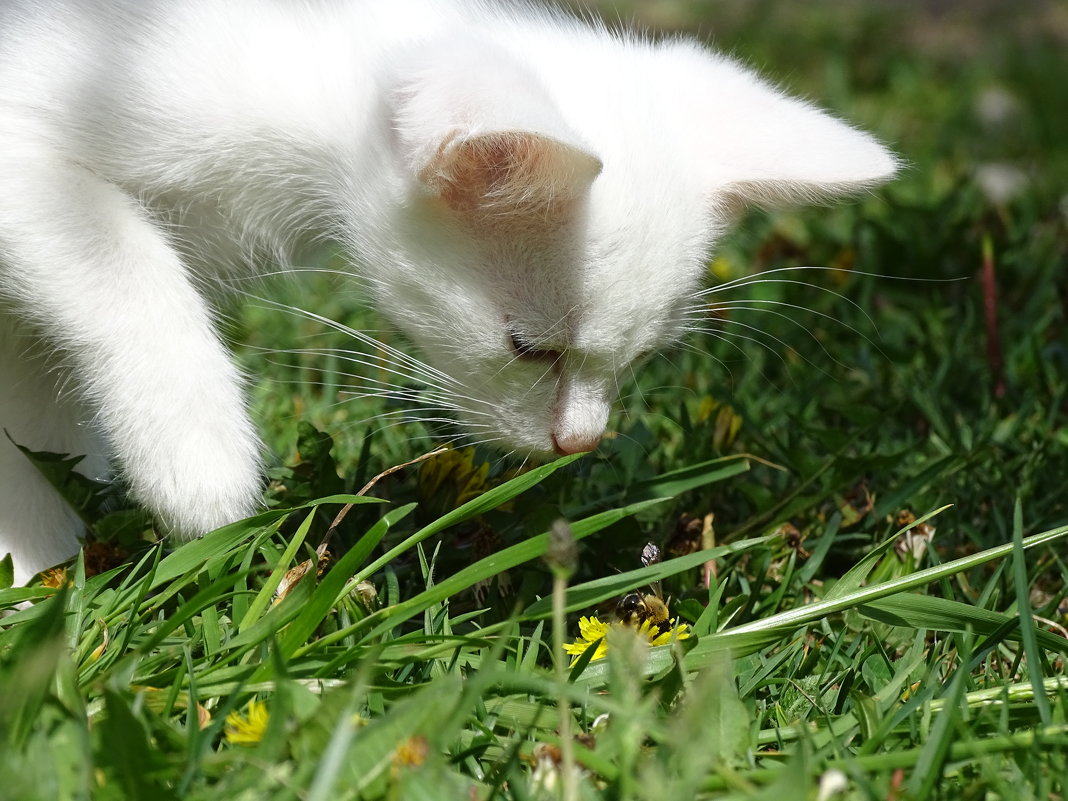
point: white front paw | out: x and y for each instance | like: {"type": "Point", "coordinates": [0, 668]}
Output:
{"type": "Point", "coordinates": [199, 480]}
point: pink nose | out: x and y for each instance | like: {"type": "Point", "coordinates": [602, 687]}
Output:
{"type": "Point", "coordinates": [575, 443]}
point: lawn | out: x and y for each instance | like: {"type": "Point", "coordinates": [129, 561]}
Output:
{"type": "Point", "coordinates": [857, 477]}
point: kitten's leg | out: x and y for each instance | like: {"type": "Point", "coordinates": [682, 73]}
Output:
{"type": "Point", "coordinates": [115, 299]}
{"type": "Point", "coordinates": [37, 527]}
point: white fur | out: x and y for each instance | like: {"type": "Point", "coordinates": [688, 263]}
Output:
{"type": "Point", "coordinates": [493, 171]}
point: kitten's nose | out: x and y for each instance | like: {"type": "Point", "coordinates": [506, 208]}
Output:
{"type": "Point", "coordinates": [575, 443]}
{"type": "Point", "coordinates": [579, 415]}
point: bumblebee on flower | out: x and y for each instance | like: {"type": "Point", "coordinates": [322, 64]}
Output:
{"type": "Point", "coordinates": [593, 633]}
{"type": "Point", "coordinates": [645, 614]}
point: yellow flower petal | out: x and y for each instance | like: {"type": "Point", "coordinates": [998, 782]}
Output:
{"type": "Point", "coordinates": [411, 753]}
{"type": "Point", "coordinates": [676, 632]}
{"type": "Point", "coordinates": [55, 578]}
{"type": "Point", "coordinates": [247, 729]}
{"type": "Point", "coordinates": [591, 630]}
{"type": "Point", "coordinates": [453, 475]}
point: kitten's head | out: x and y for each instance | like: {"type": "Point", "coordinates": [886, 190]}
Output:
{"type": "Point", "coordinates": [551, 227]}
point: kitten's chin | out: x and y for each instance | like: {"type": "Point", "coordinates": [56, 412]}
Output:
{"type": "Point", "coordinates": [532, 453]}
{"type": "Point", "coordinates": [538, 456]}
{"type": "Point", "coordinates": [552, 449]}
{"type": "Point", "coordinates": [524, 446]}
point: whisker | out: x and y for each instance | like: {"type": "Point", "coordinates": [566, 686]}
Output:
{"type": "Point", "coordinates": [422, 367]}
{"type": "Point", "coordinates": [807, 331]}
{"type": "Point", "coordinates": [381, 365]}
{"type": "Point", "coordinates": [815, 287]}
{"type": "Point", "coordinates": [395, 422]}
{"type": "Point", "coordinates": [394, 392]}
{"type": "Point", "coordinates": [744, 279]}
{"type": "Point", "coordinates": [722, 337]}
{"type": "Point", "coordinates": [399, 414]}
{"type": "Point", "coordinates": [430, 391]}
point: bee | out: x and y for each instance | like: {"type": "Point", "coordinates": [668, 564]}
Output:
{"type": "Point", "coordinates": [635, 608]}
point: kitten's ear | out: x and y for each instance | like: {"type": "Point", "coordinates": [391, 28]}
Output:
{"type": "Point", "coordinates": [508, 172]}
{"type": "Point", "coordinates": [477, 129]}
{"type": "Point", "coordinates": [769, 149]}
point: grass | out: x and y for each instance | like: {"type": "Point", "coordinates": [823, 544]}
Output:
{"type": "Point", "coordinates": [878, 504]}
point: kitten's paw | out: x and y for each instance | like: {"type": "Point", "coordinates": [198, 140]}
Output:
{"type": "Point", "coordinates": [201, 483]}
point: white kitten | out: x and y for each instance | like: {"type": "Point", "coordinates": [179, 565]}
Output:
{"type": "Point", "coordinates": [531, 199]}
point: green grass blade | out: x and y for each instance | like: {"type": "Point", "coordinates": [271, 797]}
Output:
{"type": "Point", "coordinates": [675, 482]}
{"type": "Point", "coordinates": [263, 597]}
{"type": "Point", "coordinates": [941, 614]}
{"type": "Point", "coordinates": [1023, 609]}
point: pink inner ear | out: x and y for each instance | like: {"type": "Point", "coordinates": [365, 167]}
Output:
{"type": "Point", "coordinates": [511, 172]}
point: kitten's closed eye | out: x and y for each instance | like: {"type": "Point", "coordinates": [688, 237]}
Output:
{"type": "Point", "coordinates": [524, 349]}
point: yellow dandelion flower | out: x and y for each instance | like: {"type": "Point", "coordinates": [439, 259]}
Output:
{"type": "Point", "coordinates": [249, 728]}
{"type": "Point", "coordinates": [593, 630]}
{"type": "Point", "coordinates": [55, 577]}
{"type": "Point", "coordinates": [471, 481]}
{"type": "Point", "coordinates": [678, 631]}
{"type": "Point", "coordinates": [452, 478]}
{"type": "Point", "coordinates": [433, 472]}
{"type": "Point", "coordinates": [410, 754]}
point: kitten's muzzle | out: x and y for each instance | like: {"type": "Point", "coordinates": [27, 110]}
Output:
{"type": "Point", "coordinates": [579, 416]}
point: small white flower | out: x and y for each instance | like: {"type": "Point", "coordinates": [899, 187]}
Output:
{"type": "Point", "coordinates": [1000, 182]}
{"type": "Point", "coordinates": [833, 782]}
{"type": "Point", "coordinates": [996, 107]}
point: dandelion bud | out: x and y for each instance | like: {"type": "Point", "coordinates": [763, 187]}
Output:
{"type": "Point", "coordinates": [562, 555]}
